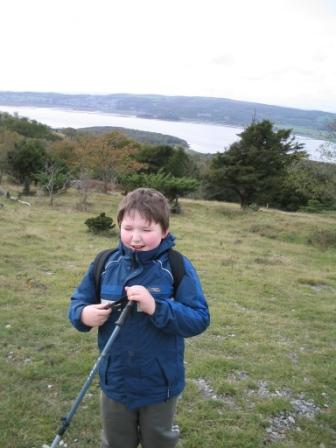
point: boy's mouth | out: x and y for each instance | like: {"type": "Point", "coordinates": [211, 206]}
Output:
{"type": "Point", "coordinates": [137, 248]}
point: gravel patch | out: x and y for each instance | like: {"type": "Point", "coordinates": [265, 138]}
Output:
{"type": "Point", "coordinates": [209, 394]}
{"type": "Point", "coordinates": [279, 424]}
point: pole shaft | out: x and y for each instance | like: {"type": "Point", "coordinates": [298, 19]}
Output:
{"type": "Point", "coordinates": [87, 384]}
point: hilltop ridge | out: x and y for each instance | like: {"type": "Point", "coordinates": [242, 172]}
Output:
{"type": "Point", "coordinates": [223, 111]}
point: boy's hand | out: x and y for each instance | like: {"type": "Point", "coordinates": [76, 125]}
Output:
{"type": "Point", "coordinates": [143, 297]}
{"type": "Point", "coordinates": [95, 315]}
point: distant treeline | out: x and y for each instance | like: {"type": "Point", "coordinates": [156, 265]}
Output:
{"type": "Point", "coordinates": [202, 109]}
{"type": "Point", "coordinates": [266, 167]}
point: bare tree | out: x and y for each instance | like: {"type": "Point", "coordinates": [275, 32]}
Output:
{"type": "Point", "coordinates": [54, 179]}
{"type": "Point", "coordinates": [328, 149]}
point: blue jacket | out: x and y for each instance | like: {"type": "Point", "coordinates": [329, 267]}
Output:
{"type": "Point", "coordinates": [146, 362]}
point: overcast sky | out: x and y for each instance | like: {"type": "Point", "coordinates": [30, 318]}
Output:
{"type": "Point", "coordinates": [279, 52]}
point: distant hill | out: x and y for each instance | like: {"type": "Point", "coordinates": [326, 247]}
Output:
{"type": "Point", "coordinates": [154, 138]}
{"type": "Point", "coordinates": [181, 108]}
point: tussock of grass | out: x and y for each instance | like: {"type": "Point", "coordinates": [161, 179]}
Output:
{"type": "Point", "coordinates": [270, 281]}
{"type": "Point", "coordinates": [323, 239]}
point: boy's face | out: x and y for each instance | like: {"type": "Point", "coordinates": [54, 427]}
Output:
{"type": "Point", "coordinates": [137, 233]}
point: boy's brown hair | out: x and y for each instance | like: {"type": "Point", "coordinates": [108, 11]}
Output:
{"type": "Point", "coordinates": [150, 203]}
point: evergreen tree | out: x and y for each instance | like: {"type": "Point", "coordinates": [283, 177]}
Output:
{"type": "Point", "coordinates": [25, 160]}
{"type": "Point", "coordinates": [172, 187]}
{"type": "Point", "coordinates": [165, 158]}
{"type": "Point", "coordinates": [256, 166]}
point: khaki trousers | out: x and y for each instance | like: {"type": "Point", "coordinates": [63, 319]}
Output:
{"type": "Point", "coordinates": [151, 426]}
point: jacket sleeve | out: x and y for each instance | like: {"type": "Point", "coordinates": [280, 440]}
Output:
{"type": "Point", "coordinates": [188, 314]}
{"type": "Point", "coordinates": [82, 296]}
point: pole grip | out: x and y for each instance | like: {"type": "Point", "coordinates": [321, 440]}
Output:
{"type": "Point", "coordinates": [124, 314]}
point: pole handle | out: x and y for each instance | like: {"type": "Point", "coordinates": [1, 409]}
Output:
{"type": "Point", "coordinates": [125, 312]}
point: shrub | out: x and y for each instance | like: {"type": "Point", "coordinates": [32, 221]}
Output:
{"type": "Point", "coordinates": [313, 206]}
{"type": "Point", "coordinates": [100, 224]}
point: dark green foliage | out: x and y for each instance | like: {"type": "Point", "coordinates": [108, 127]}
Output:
{"type": "Point", "coordinates": [172, 187]}
{"type": "Point", "coordinates": [156, 157]}
{"type": "Point", "coordinates": [165, 158]}
{"type": "Point", "coordinates": [255, 167]}
{"type": "Point", "coordinates": [25, 160]}
{"type": "Point", "coordinates": [313, 206]}
{"type": "Point", "coordinates": [310, 186]}
{"type": "Point", "coordinates": [100, 224]}
{"type": "Point", "coordinates": [26, 127]}
{"type": "Point", "coordinates": [181, 164]}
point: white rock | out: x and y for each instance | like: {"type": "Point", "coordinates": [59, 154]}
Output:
{"type": "Point", "coordinates": [291, 420]}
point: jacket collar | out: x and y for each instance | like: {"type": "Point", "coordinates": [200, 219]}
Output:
{"type": "Point", "coordinates": [149, 255]}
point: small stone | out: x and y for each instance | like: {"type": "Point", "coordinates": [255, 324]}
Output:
{"type": "Point", "coordinates": [10, 356]}
{"type": "Point", "coordinates": [8, 326]}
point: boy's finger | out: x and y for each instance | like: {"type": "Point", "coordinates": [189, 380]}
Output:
{"type": "Point", "coordinates": [104, 306]}
{"type": "Point", "coordinates": [103, 310]}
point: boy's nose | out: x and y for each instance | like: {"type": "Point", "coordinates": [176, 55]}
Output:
{"type": "Point", "coordinates": [136, 238]}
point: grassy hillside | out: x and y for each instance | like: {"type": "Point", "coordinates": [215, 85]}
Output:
{"type": "Point", "coordinates": [263, 373]}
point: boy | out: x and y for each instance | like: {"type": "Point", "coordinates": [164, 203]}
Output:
{"type": "Point", "coordinates": [144, 373]}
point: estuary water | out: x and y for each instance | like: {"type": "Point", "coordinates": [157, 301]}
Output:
{"type": "Point", "coordinates": [201, 137]}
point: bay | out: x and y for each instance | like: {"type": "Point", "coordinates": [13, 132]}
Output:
{"type": "Point", "coordinates": [201, 137]}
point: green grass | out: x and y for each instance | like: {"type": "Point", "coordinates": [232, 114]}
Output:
{"type": "Point", "coordinates": [270, 281]}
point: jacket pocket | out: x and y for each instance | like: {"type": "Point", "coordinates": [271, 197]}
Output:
{"type": "Point", "coordinates": [159, 372]}
{"type": "Point", "coordinates": [110, 370]}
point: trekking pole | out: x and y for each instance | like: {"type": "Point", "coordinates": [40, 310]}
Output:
{"type": "Point", "coordinates": [66, 420]}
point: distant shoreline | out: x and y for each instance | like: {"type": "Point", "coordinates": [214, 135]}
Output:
{"type": "Point", "coordinates": [187, 109]}
{"type": "Point", "coordinates": [200, 137]}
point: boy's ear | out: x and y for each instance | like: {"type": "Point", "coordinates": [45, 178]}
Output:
{"type": "Point", "coordinates": [164, 234]}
